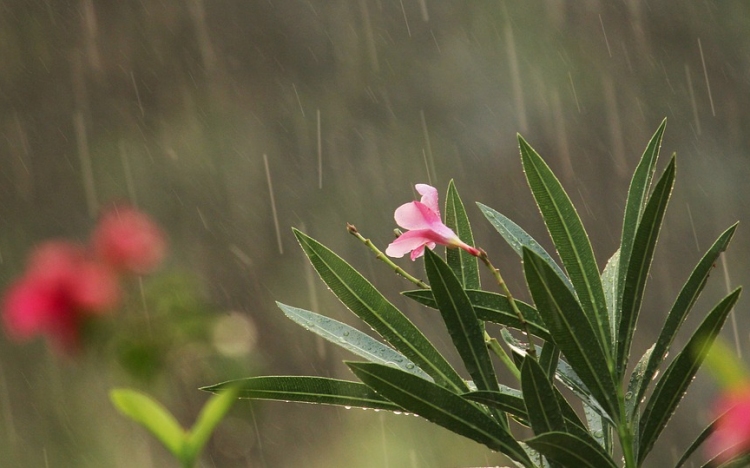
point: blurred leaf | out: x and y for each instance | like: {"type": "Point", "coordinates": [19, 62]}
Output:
{"type": "Point", "coordinates": [461, 320]}
{"type": "Point", "coordinates": [570, 329]}
{"type": "Point", "coordinates": [517, 238]}
{"type": "Point", "coordinates": [572, 244]}
{"type": "Point", "coordinates": [361, 297]}
{"type": "Point", "coordinates": [570, 450]}
{"type": "Point", "coordinates": [303, 389]}
{"type": "Point", "coordinates": [210, 416]}
{"type": "Point", "coordinates": [639, 263]}
{"type": "Point", "coordinates": [725, 367]}
{"type": "Point", "coordinates": [544, 412]}
{"type": "Point", "coordinates": [352, 340]}
{"type": "Point", "coordinates": [672, 386]}
{"type": "Point", "coordinates": [682, 306]}
{"type": "Point", "coordinates": [439, 406]}
{"type": "Point", "coordinates": [150, 414]}
{"type": "Point", "coordinates": [636, 203]}
{"type": "Point", "coordinates": [740, 461]}
{"type": "Point", "coordinates": [463, 264]}
{"type": "Point", "coordinates": [491, 307]}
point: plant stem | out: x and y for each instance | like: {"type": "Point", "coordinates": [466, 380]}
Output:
{"type": "Point", "coordinates": [499, 278]}
{"type": "Point", "coordinates": [625, 433]}
{"type": "Point", "coordinates": [381, 256]}
{"type": "Point", "coordinates": [499, 351]}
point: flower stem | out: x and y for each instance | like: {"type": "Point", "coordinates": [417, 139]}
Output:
{"type": "Point", "coordinates": [499, 278]}
{"type": "Point", "coordinates": [381, 256]}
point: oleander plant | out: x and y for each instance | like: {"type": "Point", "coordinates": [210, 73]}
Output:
{"type": "Point", "coordinates": [577, 334]}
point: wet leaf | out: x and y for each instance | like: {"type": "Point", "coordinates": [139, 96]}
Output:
{"type": "Point", "coordinates": [463, 264]}
{"type": "Point", "coordinates": [570, 450]}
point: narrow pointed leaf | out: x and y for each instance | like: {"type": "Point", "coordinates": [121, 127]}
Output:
{"type": "Point", "coordinates": [506, 399]}
{"type": "Point", "coordinates": [672, 386]}
{"type": "Point", "coordinates": [637, 196]}
{"type": "Point", "coordinates": [439, 406]}
{"type": "Point", "coordinates": [544, 412]}
{"type": "Point", "coordinates": [461, 320]}
{"type": "Point", "coordinates": [463, 264]}
{"type": "Point", "coordinates": [517, 238]}
{"type": "Point", "coordinates": [150, 414]}
{"type": "Point", "coordinates": [352, 340]}
{"type": "Point", "coordinates": [568, 377]}
{"type": "Point", "coordinates": [570, 450]}
{"type": "Point", "coordinates": [702, 437]}
{"type": "Point", "coordinates": [636, 381]}
{"type": "Point", "coordinates": [570, 239]}
{"type": "Point", "coordinates": [609, 283]}
{"type": "Point", "coordinates": [570, 329]}
{"type": "Point", "coordinates": [548, 359]}
{"type": "Point", "coordinates": [210, 416]}
{"type": "Point", "coordinates": [492, 307]}
{"type": "Point", "coordinates": [599, 428]}
{"type": "Point", "coordinates": [303, 389]}
{"type": "Point", "coordinates": [681, 307]}
{"type": "Point", "coordinates": [639, 262]}
{"type": "Point", "coordinates": [361, 297]}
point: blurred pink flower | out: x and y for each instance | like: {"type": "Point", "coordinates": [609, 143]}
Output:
{"type": "Point", "coordinates": [129, 240]}
{"type": "Point", "coordinates": [422, 219]}
{"type": "Point", "coordinates": [60, 288]}
{"type": "Point", "coordinates": [731, 436]}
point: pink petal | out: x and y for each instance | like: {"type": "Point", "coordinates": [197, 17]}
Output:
{"type": "Point", "coordinates": [416, 215]}
{"type": "Point", "coordinates": [129, 240]}
{"type": "Point", "coordinates": [407, 242]}
{"type": "Point", "coordinates": [429, 197]}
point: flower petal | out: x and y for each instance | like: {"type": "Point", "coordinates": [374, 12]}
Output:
{"type": "Point", "coordinates": [416, 215]}
{"type": "Point", "coordinates": [407, 242]}
{"type": "Point", "coordinates": [429, 197]}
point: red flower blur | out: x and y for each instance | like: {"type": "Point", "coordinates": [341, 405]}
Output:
{"type": "Point", "coordinates": [61, 287]}
{"type": "Point", "coordinates": [731, 436]}
{"type": "Point", "coordinates": [129, 241]}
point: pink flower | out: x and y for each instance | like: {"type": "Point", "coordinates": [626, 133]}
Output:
{"type": "Point", "coordinates": [731, 436]}
{"type": "Point", "coordinates": [60, 288]}
{"type": "Point", "coordinates": [422, 219]}
{"type": "Point", "coordinates": [129, 241]}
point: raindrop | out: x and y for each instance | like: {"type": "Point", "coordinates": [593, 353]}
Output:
{"type": "Point", "coordinates": [628, 395]}
{"type": "Point", "coordinates": [410, 365]}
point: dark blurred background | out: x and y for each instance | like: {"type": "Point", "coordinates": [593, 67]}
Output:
{"type": "Point", "coordinates": [194, 109]}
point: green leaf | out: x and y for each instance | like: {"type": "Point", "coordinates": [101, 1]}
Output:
{"type": "Point", "coordinates": [570, 239]}
{"type": "Point", "coordinates": [461, 320]}
{"type": "Point", "coordinates": [439, 406]}
{"type": "Point", "coordinates": [636, 382]}
{"type": "Point", "coordinates": [702, 437]}
{"type": "Point", "coordinates": [210, 416]}
{"type": "Point", "coordinates": [367, 303]}
{"type": "Point", "coordinates": [548, 359]}
{"type": "Point", "coordinates": [150, 414]}
{"type": "Point", "coordinates": [544, 412]}
{"type": "Point", "coordinates": [637, 195]}
{"type": "Point", "coordinates": [506, 399]}
{"type": "Point", "coordinates": [463, 264]}
{"type": "Point", "coordinates": [674, 383]}
{"type": "Point", "coordinates": [609, 283]}
{"type": "Point", "coordinates": [599, 428]}
{"type": "Point", "coordinates": [639, 263]}
{"type": "Point", "coordinates": [492, 307]}
{"type": "Point", "coordinates": [682, 306]}
{"type": "Point", "coordinates": [517, 238]}
{"type": "Point", "coordinates": [568, 377]}
{"type": "Point", "coordinates": [570, 329]}
{"type": "Point", "coordinates": [352, 340]}
{"type": "Point", "coordinates": [303, 389]}
{"type": "Point", "coordinates": [570, 450]}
